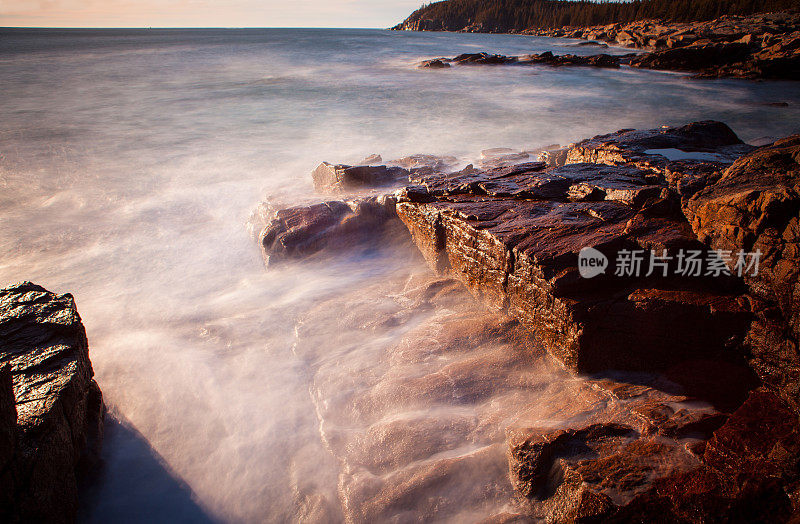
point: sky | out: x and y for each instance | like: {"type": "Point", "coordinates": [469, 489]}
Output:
{"type": "Point", "coordinates": [205, 13]}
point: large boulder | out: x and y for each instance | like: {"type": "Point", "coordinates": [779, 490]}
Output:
{"type": "Point", "coordinates": [53, 428]}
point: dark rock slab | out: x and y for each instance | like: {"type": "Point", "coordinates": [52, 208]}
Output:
{"type": "Point", "coordinates": [546, 58]}
{"type": "Point", "coordinates": [434, 63]}
{"type": "Point", "coordinates": [58, 406]}
{"type": "Point", "coordinates": [483, 59]}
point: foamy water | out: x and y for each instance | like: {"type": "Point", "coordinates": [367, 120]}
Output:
{"type": "Point", "coordinates": [135, 168]}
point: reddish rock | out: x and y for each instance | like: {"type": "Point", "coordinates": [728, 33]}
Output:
{"type": "Point", "coordinates": [758, 46]}
{"type": "Point", "coordinates": [588, 474]}
{"type": "Point", "coordinates": [330, 177]}
{"type": "Point", "coordinates": [513, 235]}
{"type": "Point", "coordinates": [751, 472]}
{"type": "Point", "coordinates": [755, 206]}
{"type": "Point", "coordinates": [300, 232]}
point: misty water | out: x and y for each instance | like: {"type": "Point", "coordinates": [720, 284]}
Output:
{"type": "Point", "coordinates": [137, 168]}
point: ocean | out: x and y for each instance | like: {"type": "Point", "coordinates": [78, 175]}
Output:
{"type": "Point", "coordinates": [137, 168]}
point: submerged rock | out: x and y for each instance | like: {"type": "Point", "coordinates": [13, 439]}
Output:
{"type": "Point", "coordinates": [336, 225]}
{"type": "Point", "coordinates": [434, 63]}
{"type": "Point", "coordinates": [51, 408]}
{"type": "Point", "coordinates": [587, 473]}
{"type": "Point", "coordinates": [548, 58]}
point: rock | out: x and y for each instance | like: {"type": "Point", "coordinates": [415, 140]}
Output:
{"type": "Point", "coordinates": [549, 58]}
{"type": "Point", "coordinates": [371, 160]}
{"type": "Point", "coordinates": [688, 157]}
{"type": "Point", "coordinates": [339, 177]}
{"type": "Point", "coordinates": [300, 232]}
{"type": "Point", "coordinates": [756, 46]}
{"type": "Point", "coordinates": [593, 44]}
{"type": "Point", "coordinates": [434, 63]}
{"type": "Point", "coordinates": [425, 163]}
{"type": "Point", "coordinates": [8, 445]}
{"type": "Point", "coordinates": [749, 474]}
{"type": "Point", "coordinates": [59, 408]}
{"type": "Point", "coordinates": [610, 472]}
{"type": "Point", "coordinates": [513, 235]}
{"type": "Point", "coordinates": [483, 59]}
{"type": "Point", "coordinates": [698, 56]}
{"type": "Point", "coordinates": [586, 474]}
{"type": "Point", "coordinates": [546, 58]}
{"type": "Point", "coordinates": [755, 206]}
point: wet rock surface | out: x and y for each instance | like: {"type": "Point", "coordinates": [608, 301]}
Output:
{"type": "Point", "coordinates": [51, 409]}
{"type": "Point", "coordinates": [419, 404]}
{"type": "Point", "coordinates": [466, 415]}
{"type": "Point", "coordinates": [330, 177]}
{"type": "Point", "coordinates": [336, 225]}
{"type": "Point", "coordinates": [758, 46]}
{"type": "Point", "coordinates": [513, 236]}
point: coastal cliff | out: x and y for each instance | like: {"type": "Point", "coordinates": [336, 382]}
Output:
{"type": "Point", "coordinates": [514, 234]}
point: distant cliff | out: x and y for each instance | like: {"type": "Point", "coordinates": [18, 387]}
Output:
{"type": "Point", "coordinates": [505, 16]}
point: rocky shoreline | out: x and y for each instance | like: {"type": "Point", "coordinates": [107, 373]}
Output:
{"type": "Point", "coordinates": [512, 232]}
{"type": "Point", "coordinates": [759, 46]}
{"type": "Point", "coordinates": [51, 409]}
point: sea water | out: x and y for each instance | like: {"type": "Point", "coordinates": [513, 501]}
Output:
{"type": "Point", "coordinates": [136, 169]}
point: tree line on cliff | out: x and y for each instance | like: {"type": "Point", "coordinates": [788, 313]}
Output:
{"type": "Point", "coordinates": [508, 15]}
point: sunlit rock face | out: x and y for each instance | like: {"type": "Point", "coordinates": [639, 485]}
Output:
{"type": "Point", "coordinates": [755, 206]}
{"type": "Point", "coordinates": [513, 236]}
{"type": "Point", "coordinates": [51, 407]}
